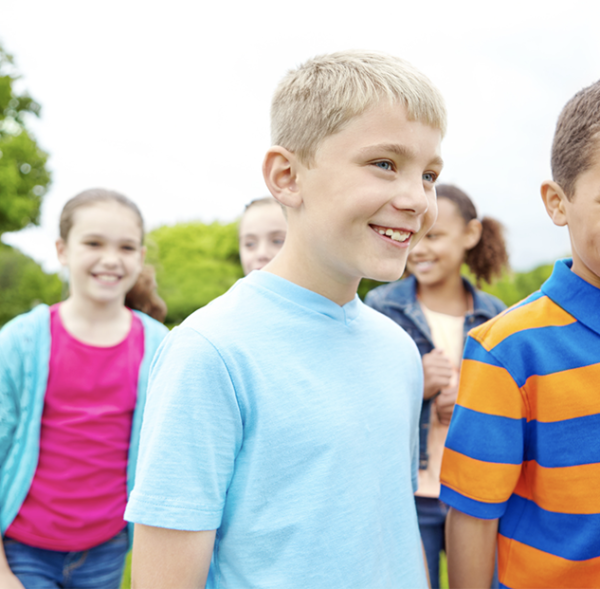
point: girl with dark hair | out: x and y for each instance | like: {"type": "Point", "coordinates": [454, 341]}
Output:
{"type": "Point", "coordinates": [437, 306]}
{"type": "Point", "coordinates": [72, 391]}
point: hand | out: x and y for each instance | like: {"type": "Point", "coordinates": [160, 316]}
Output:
{"type": "Point", "coordinates": [9, 581]}
{"type": "Point", "coordinates": [444, 404]}
{"type": "Point", "coordinates": [437, 372]}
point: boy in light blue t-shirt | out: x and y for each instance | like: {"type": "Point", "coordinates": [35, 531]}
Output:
{"type": "Point", "coordinates": [280, 434]}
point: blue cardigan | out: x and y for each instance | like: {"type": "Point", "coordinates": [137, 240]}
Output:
{"type": "Point", "coordinates": [24, 363]}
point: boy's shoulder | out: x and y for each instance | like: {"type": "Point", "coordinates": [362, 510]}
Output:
{"type": "Point", "coordinates": [564, 300]}
{"type": "Point", "coordinates": [526, 318]}
{"type": "Point", "coordinates": [241, 305]}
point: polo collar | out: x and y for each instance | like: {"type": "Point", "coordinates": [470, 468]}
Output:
{"type": "Point", "coordinates": [574, 294]}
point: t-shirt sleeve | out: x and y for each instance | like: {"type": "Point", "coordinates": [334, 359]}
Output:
{"type": "Point", "coordinates": [485, 444]}
{"type": "Point", "coordinates": [191, 435]}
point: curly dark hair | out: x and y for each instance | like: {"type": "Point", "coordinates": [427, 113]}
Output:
{"type": "Point", "coordinates": [489, 257]}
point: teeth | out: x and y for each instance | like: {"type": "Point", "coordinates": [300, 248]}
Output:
{"type": "Point", "coordinates": [106, 278]}
{"type": "Point", "coordinates": [395, 235]}
{"type": "Point", "coordinates": [400, 235]}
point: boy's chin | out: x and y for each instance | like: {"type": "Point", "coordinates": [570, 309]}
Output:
{"type": "Point", "coordinates": [387, 274]}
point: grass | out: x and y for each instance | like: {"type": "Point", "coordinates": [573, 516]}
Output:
{"type": "Point", "coordinates": [126, 582]}
{"type": "Point", "coordinates": [443, 571]}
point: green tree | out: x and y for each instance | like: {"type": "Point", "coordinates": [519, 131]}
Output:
{"type": "Point", "coordinates": [195, 263]}
{"type": "Point", "coordinates": [23, 284]}
{"type": "Point", "coordinates": [24, 177]}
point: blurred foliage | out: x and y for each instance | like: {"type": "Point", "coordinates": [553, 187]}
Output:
{"type": "Point", "coordinates": [366, 284]}
{"type": "Point", "coordinates": [23, 284]}
{"type": "Point", "coordinates": [513, 287]}
{"type": "Point", "coordinates": [195, 263]}
{"type": "Point", "coordinates": [24, 177]}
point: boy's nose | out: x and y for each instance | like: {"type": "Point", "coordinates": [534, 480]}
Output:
{"type": "Point", "coordinates": [412, 197]}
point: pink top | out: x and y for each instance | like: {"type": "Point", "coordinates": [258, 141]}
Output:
{"type": "Point", "coordinates": [79, 490]}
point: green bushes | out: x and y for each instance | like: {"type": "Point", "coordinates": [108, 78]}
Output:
{"type": "Point", "coordinates": [23, 284]}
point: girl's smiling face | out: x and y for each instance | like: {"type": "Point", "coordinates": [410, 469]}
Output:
{"type": "Point", "coordinates": [103, 252]}
{"type": "Point", "coordinates": [440, 254]}
{"type": "Point", "coordinates": [262, 233]}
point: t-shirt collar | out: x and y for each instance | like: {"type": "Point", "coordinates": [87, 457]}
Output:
{"type": "Point", "coordinates": [574, 294]}
{"type": "Point", "coordinates": [305, 297]}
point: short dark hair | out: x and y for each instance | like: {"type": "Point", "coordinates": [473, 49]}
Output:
{"type": "Point", "coordinates": [577, 138]}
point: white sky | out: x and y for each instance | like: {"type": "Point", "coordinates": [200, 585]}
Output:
{"type": "Point", "coordinates": [169, 102]}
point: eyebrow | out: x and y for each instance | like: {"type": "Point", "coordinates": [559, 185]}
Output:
{"type": "Point", "coordinates": [401, 150]}
{"type": "Point", "coordinates": [100, 236]}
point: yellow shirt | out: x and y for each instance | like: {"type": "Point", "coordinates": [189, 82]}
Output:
{"type": "Point", "coordinates": [447, 335]}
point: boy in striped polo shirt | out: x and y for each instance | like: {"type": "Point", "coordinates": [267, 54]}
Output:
{"type": "Point", "coordinates": [522, 458]}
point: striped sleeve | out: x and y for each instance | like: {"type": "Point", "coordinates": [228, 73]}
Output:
{"type": "Point", "coordinates": [485, 445]}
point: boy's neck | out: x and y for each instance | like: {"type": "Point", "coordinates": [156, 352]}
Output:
{"type": "Point", "coordinates": [309, 274]}
{"type": "Point", "coordinates": [449, 297]}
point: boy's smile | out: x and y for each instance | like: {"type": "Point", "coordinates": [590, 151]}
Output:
{"type": "Point", "coordinates": [365, 200]}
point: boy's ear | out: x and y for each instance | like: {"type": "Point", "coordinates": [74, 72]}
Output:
{"type": "Point", "coordinates": [554, 199]}
{"type": "Point", "coordinates": [61, 251]}
{"type": "Point", "coordinates": [280, 171]}
{"type": "Point", "coordinates": [472, 233]}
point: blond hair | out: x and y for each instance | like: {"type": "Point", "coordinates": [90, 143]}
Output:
{"type": "Point", "coordinates": [316, 99]}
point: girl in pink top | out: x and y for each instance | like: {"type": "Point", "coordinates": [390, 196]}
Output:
{"type": "Point", "coordinates": [68, 529]}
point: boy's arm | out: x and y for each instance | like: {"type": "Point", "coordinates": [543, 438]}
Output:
{"type": "Point", "coordinates": [170, 559]}
{"type": "Point", "coordinates": [471, 550]}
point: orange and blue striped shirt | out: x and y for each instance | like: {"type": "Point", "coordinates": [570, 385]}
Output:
{"type": "Point", "coordinates": [524, 442]}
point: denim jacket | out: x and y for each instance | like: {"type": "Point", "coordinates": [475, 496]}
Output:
{"type": "Point", "coordinates": [398, 300]}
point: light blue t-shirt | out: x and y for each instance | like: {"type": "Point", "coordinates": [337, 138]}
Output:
{"type": "Point", "coordinates": [289, 424]}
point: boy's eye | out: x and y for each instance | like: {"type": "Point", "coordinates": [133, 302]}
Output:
{"type": "Point", "coordinates": [92, 243]}
{"type": "Point", "coordinates": [128, 248]}
{"type": "Point", "coordinates": [430, 177]}
{"type": "Point", "coordinates": [384, 165]}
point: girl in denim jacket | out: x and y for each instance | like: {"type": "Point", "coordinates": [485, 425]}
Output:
{"type": "Point", "coordinates": [437, 306]}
